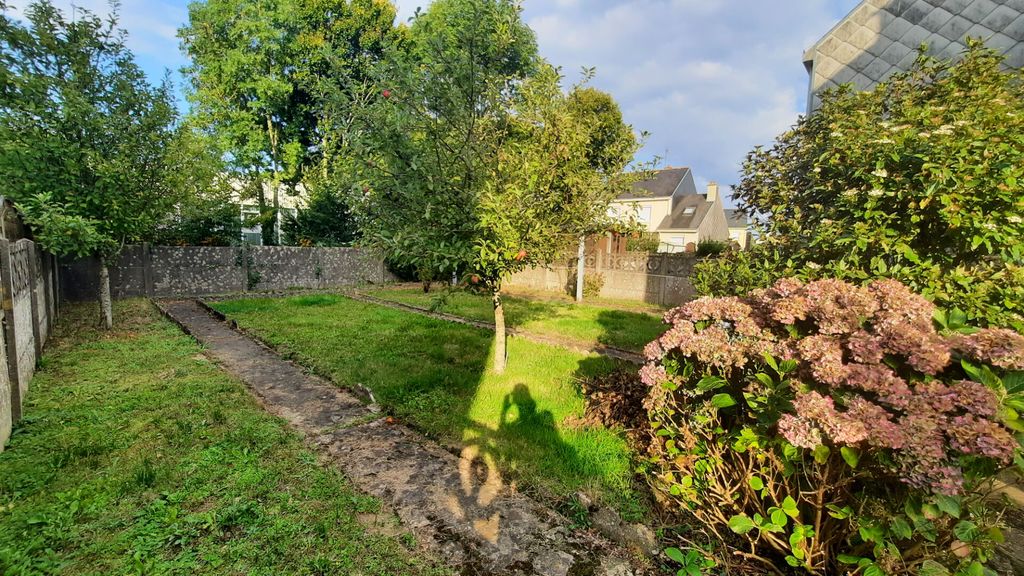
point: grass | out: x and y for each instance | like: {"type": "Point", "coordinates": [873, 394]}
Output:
{"type": "Point", "coordinates": [434, 375]}
{"type": "Point", "coordinates": [139, 456]}
{"type": "Point", "coordinates": [586, 323]}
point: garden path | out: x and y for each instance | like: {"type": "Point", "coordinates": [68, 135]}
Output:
{"type": "Point", "coordinates": [456, 505]}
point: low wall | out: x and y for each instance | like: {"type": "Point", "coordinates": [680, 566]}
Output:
{"type": "Point", "coordinates": [28, 281]}
{"type": "Point", "coordinates": [657, 278]}
{"type": "Point", "coordinates": [167, 271]}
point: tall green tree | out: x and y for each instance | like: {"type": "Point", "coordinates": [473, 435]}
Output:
{"type": "Point", "coordinates": [83, 136]}
{"type": "Point", "coordinates": [920, 179]}
{"type": "Point", "coordinates": [473, 160]}
{"type": "Point", "coordinates": [260, 75]}
{"type": "Point", "coordinates": [206, 212]}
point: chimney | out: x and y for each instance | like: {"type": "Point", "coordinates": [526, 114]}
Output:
{"type": "Point", "coordinates": [712, 191]}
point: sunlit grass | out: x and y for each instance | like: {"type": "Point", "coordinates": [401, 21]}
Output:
{"type": "Point", "coordinates": [587, 323]}
{"type": "Point", "coordinates": [433, 374]}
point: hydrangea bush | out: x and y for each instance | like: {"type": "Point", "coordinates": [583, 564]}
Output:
{"type": "Point", "coordinates": [839, 428]}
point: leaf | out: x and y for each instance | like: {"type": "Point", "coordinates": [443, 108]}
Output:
{"type": "Point", "coordinates": [966, 531]}
{"type": "Point", "coordinates": [850, 455]}
{"type": "Point", "coordinates": [709, 383]}
{"type": "Point", "coordinates": [779, 518]}
{"type": "Point", "coordinates": [722, 401]}
{"type": "Point", "coordinates": [948, 504]}
{"type": "Point", "coordinates": [848, 559]}
{"type": "Point", "coordinates": [756, 483]}
{"type": "Point", "coordinates": [874, 570]}
{"type": "Point", "coordinates": [790, 508]}
{"type": "Point", "coordinates": [932, 568]}
{"type": "Point", "coordinates": [821, 454]}
{"type": "Point", "coordinates": [1013, 382]}
{"type": "Point", "coordinates": [676, 555]}
{"type": "Point", "coordinates": [741, 524]}
{"type": "Point", "coordinates": [900, 528]}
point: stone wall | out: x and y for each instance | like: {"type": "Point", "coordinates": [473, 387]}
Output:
{"type": "Point", "coordinates": [167, 271]}
{"type": "Point", "coordinates": [657, 278]}
{"type": "Point", "coordinates": [28, 280]}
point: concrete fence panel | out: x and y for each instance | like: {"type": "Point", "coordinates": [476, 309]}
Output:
{"type": "Point", "coordinates": [169, 271]}
{"type": "Point", "coordinates": [197, 270]}
{"type": "Point", "coordinates": [657, 278]}
{"type": "Point", "coordinates": [28, 286]}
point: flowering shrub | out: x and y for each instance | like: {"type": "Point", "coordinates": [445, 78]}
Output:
{"type": "Point", "coordinates": [833, 424]}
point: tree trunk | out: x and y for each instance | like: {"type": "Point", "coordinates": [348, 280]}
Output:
{"type": "Point", "coordinates": [499, 333]}
{"type": "Point", "coordinates": [106, 314]}
{"type": "Point", "coordinates": [580, 263]}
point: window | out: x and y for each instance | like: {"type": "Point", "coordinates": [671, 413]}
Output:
{"type": "Point", "coordinates": [645, 214]}
{"type": "Point", "coordinates": [689, 210]}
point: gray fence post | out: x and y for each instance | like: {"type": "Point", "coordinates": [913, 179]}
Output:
{"type": "Point", "coordinates": [33, 274]}
{"type": "Point", "coordinates": [10, 341]}
{"type": "Point", "coordinates": [147, 270]}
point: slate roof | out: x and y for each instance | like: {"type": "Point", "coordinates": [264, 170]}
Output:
{"type": "Point", "coordinates": [736, 219]}
{"type": "Point", "coordinates": [663, 185]}
{"type": "Point", "coordinates": [678, 219]}
{"type": "Point", "coordinates": [880, 37]}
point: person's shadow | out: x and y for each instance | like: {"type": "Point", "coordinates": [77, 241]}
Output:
{"type": "Point", "coordinates": [522, 429]}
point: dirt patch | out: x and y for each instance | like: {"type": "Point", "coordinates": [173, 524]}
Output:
{"type": "Point", "coordinates": [615, 400]}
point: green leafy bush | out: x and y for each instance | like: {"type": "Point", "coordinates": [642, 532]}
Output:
{"type": "Point", "coordinates": [593, 283]}
{"type": "Point", "coordinates": [919, 180]}
{"type": "Point", "coordinates": [709, 247]}
{"type": "Point", "coordinates": [834, 428]}
{"type": "Point", "coordinates": [643, 242]}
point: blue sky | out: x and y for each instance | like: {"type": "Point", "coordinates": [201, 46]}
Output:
{"type": "Point", "coordinates": [708, 79]}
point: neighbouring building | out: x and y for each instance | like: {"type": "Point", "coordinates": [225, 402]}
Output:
{"type": "Point", "coordinates": [881, 37]}
{"type": "Point", "coordinates": [290, 202]}
{"type": "Point", "coordinates": [739, 228]}
{"type": "Point", "coordinates": [670, 208]}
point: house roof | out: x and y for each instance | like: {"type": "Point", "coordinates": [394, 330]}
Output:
{"type": "Point", "coordinates": [663, 185]}
{"type": "Point", "coordinates": [736, 218]}
{"type": "Point", "coordinates": [688, 213]}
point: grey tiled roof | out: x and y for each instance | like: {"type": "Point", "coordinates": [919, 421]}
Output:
{"type": "Point", "coordinates": [736, 219]}
{"type": "Point", "coordinates": [662, 185]}
{"type": "Point", "coordinates": [880, 37]}
{"type": "Point", "coordinates": [679, 219]}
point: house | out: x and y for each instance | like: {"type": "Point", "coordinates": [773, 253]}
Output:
{"type": "Point", "coordinates": [669, 207]}
{"type": "Point", "coordinates": [739, 228]}
{"type": "Point", "coordinates": [881, 37]}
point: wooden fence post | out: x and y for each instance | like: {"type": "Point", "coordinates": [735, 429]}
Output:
{"type": "Point", "coordinates": [10, 340]}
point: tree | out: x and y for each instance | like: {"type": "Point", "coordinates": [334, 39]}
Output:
{"type": "Point", "coordinates": [610, 148]}
{"type": "Point", "coordinates": [326, 221]}
{"type": "Point", "coordinates": [472, 158]}
{"type": "Point", "coordinates": [919, 180]}
{"type": "Point", "coordinates": [261, 71]}
{"type": "Point", "coordinates": [83, 136]}
{"type": "Point", "coordinates": [206, 212]}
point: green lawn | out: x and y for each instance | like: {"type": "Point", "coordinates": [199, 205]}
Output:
{"type": "Point", "coordinates": [587, 323]}
{"type": "Point", "coordinates": [433, 374]}
{"type": "Point", "coordinates": [139, 456]}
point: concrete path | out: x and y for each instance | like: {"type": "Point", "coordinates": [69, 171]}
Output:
{"type": "Point", "coordinates": [457, 506]}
